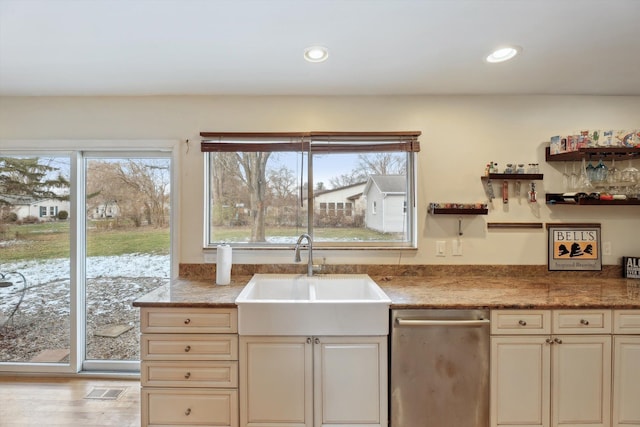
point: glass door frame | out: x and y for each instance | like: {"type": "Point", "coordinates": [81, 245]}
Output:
{"type": "Point", "coordinates": [78, 150]}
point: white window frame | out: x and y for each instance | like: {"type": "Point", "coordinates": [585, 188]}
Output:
{"type": "Point", "coordinates": [411, 217]}
{"type": "Point", "coordinates": [76, 150]}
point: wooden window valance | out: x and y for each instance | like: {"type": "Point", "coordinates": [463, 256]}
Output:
{"type": "Point", "coordinates": [316, 142]}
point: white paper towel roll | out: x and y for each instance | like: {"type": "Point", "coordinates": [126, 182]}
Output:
{"type": "Point", "coordinates": [223, 265]}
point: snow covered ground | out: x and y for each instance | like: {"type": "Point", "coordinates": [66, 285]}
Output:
{"type": "Point", "coordinates": [38, 318]}
{"type": "Point", "coordinates": [55, 274]}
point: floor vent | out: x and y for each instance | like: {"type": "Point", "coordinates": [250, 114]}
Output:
{"type": "Point", "coordinates": [105, 393]}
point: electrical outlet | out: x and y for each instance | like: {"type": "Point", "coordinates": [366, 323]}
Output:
{"type": "Point", "coordinates": [441, 248]}
{"type": "Point", "coordinates": [456, 247]}
{"type": "Point", "coordinates": [606, 248]}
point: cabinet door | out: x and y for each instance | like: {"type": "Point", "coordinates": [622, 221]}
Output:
{"type": "Point", "coordinates": [350, 381]}
{"type": "Point", "coordinates": [276, 381]}
{"type": "Point", "coordinates": [520, 381]}
{"type": "Point", "coordinates": [626, 381]}
{"type": "Point", "coordinates": [581, 378]}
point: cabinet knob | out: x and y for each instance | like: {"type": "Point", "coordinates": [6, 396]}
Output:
{"type": "Point", "coordinates": [187, 349]}
{"type": "Point", "coordinates": [316, 340]}
{"type": "Point", "coordinates": [584, 322]}
{"type": "Point", "coordinates": [188, 411]}
{"type": "Point", "coordinates": [549, 341]}
{"type": "Point", "coordinates": [187, 375]}
{"type": "Point", "coordinates": [187, 321]}
{"type": "Point", "coordinates": [309, 340]}
{"type": "Point", "coordinates": [557, 340]}
{"type": "Point", "coordinates": [522, 323]}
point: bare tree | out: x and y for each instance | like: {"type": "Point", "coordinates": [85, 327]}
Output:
{"type": "Point", "coordinates": [150, 180]}
{"type": "Point", "coordinates": [381, 164]}
{"type": "Point", "coordinates": [139, 190]}
{"type": "Point", "coordinates": [282, 183]}
{"type": "Point", "coordinates": [253, 174]}
{"type": "Point", "coordinates": [224, 186]}
{"type": "Point", "coordinates": [346, 179]}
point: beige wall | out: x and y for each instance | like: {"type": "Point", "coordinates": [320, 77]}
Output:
{"type": "Point", "coordinates": [460, 134]}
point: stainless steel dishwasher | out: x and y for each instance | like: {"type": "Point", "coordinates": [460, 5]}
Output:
{"type": "Point", "coordinates": [439, 368]}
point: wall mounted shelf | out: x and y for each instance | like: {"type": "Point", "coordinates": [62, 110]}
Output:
{"type": "Point", "coordinates": [588, 153]}
{"type": "Point", "coordinates": [515, 176]}
{"type": "Point", "coordinates": [513, 225]}
{"type": "Point", "coordinates": [552, 199]}
{"type": "Point", "coordinates": [458, 211]}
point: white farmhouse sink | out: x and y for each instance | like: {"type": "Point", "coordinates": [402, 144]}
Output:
{"type": "Point", "coordinates": [291, 304]}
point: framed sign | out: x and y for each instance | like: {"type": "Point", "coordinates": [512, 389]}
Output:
{"type": "Point", "coordinates": [574, 247]}
{"type": "Point", "coordinates": [631, 267]}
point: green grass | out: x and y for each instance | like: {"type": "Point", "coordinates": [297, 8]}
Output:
{"type": "Point", "coordinates": [51, 240]}
{"type": "Point", "coordinates": [238, 234]}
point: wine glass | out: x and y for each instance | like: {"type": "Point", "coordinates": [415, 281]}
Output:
{"type": "Point", "coordinates": [590, 170]}
{"type": "Point", "coordinates": [575, 177]}
{"type": "Point", "coordinates": [566, 179]}
{"type": "Point", "coordinates": [630, 178]}
{"type": "Point", "coordinates": [614, 176]}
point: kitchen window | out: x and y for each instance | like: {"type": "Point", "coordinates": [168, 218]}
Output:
{"type": "Point", "coordinates": [259, 187]}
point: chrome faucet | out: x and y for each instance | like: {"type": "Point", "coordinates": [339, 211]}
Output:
{"type": "Point", "coordinates": [310, 248]}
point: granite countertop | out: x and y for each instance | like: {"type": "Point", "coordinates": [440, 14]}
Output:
{"type": "Point", "coordinates": [437, 292]}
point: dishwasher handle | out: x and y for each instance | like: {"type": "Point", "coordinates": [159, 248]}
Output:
{"type": "Point", "coordinates": [445, 322]}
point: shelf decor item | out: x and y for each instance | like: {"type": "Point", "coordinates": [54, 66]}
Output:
{"type": "Point", "coordinates": [574, 247]}
{"type": "Point", "coordinates": [631, 267]}
{"type": "Point", "coordinates": [448, 208]}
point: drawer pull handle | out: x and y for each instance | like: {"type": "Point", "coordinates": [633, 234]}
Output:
{"type": "Point", "coordinates": [584, 322]}
{"type": "Point", "coordinates": [187, 375]}
{"type": "Point", "coordinates": [187, 321]}
{"type": "Point", "coordinates": [188, 411]}
{"type": "Point", "coordinates": [187, 349]}
{"type": "Point", "coordinates": [557, 340]}
{"type": "Point", "coordinates": [522, 323]}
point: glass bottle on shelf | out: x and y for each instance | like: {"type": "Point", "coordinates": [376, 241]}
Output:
{"type": "Point", "coordinates": [584, 183]}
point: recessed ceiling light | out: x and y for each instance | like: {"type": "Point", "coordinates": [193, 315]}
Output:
{"type": "Point", "coordinates": [503, 54]}
{"type": "Point", "coordinates": [316, 54]}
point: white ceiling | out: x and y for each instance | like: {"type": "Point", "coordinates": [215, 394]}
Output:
{"type": "Point", "coordinates": [376, 47]}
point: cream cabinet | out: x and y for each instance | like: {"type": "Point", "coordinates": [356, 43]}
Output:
{"type": "Point", "coordinates": [626, 368]}
{"type": "Point", "coordinates": [551, 368]}
{"type": "Point", "coordinates": [313, 381]}
{"type": "Point", "coordinates": [189, 366]}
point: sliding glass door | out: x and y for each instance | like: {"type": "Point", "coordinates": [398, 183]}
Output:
{"type": "Point", "coordinates": [35, 281]}
{"type": "Point", "coordinates": [82, 235]}
{"type": "Point", "coordinates": [127, 235]}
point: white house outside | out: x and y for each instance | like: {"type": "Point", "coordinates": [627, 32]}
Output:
{"type": "Point", "coordinates": [24, 206]}
{"type": "Point", "coordinates": [340, 206]}
{"type": "Point", "coordinates": [386, 203]}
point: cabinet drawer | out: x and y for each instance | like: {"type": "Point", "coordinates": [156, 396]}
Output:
{"type": "Point", "coordinates": [222, 374]}
{"type": "Point", "coordinates": [582, 321]}
{"type": "Point", "coordinates": [626, 322]}
{"type": "Point", "coordinates": [189, 347]}
{"type": "Point", "coordinates": [520, 322]}
{"type": "Point", "coordinates": [189, 320]}
{"type": "Point", "coordinates": [189, 407]}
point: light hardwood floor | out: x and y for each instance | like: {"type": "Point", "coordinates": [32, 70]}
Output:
{"type": "Point", "coordinates": [27, 401]}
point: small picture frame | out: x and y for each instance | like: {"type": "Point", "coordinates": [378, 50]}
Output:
{"type": "Point", "coordinates": [574, 247]}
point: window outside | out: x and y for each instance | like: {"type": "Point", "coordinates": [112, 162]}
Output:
{"type": "Point", "coordinates": [261, 199]}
